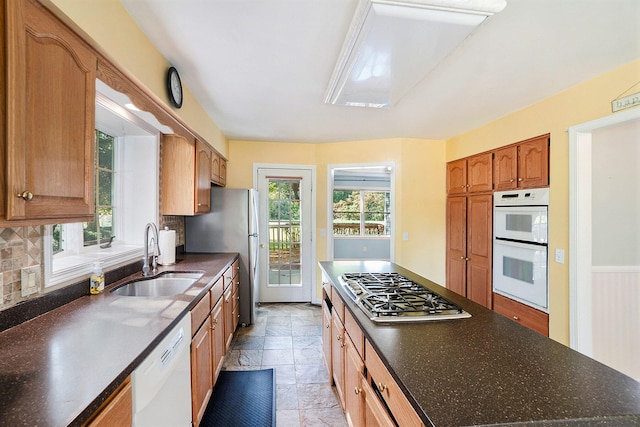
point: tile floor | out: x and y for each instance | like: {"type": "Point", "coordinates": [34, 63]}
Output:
{"type": "Point", "coordinates": [288, 337]}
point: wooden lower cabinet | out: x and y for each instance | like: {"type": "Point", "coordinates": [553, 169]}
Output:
{"type": "Point", "coordinates": [337, 354]}
{"type": "Point", "coordinates": [353, 376]}
{"type": "Point", "coordinates": [117, 410]}
{"type": "Point", "coordinates": [521, 313]}
{"type": "Point", "coordinates": [470, 247]}
{"type": "Point", "coordinates": [217, 337]}
{"type": "Point", "coordinates": [201, 370]}
{"type": "Point", "coordinates": [326, 337]}
{"type": "Point", "coordinates": [393, 397]}
{"type": "Point", "coordinates": [375, 414]}
{"type": "Point", "coordinates": [229, 325]}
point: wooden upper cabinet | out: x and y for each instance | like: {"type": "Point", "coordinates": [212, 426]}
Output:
{"type": "Point", "coordinates": [203, 178]}
{"type": "Point", "coordinates": [522, 165]}
{"type": "Point", "coordinates": [218, 170]}
{"type": "Point", "coordinates": [50, 119]}
{"type": "Point", "coordinates": [479, 173]}
{"type": "Point", "coordinates": [186, 170]}
{"type": "Point", "coordinates": [470, 175]}
{"type": "Point", "coordinates": [533, 162]}
{"type": "Point", "coordinates": [457, 177]}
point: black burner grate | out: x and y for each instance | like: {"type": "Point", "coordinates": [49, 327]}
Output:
{"type": "Point", "coordinates": [393, 295]}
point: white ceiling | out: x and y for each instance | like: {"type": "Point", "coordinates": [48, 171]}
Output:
{"type": "Point", "coordinates": [260, 68]}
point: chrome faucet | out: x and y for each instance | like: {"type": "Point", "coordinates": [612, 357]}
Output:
{"type": "Point", "coordinates": [156, 250]}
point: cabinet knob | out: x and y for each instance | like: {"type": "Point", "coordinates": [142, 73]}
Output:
{"type": "Point", "coordinates": [462, 257]}
{"type": "Point", "coordinates": [520, 179]}
{"type": "Point", "coordinates": [26, 195]}
{"type": "Point", "coordinates": [516, 318]}
{"type": "Point", "coordinates": [357, 391]}
{"type": "Point", "coordinates": [511, 180]}
{"type": "Point", "coordinates": [467, 259]}
{"type": "Point", "coordinates": [463, 186]}
{"type": "Point", "coordinates": [382, 387]}
{"type": "Point", "coordinates": [328, 326]}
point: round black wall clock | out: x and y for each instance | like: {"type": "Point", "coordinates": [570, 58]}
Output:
{"type": "Point", "coordinates": [174, 87]}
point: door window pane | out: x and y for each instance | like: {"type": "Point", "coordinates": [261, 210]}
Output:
{"type": "Point", "coordinates": [284, 232]}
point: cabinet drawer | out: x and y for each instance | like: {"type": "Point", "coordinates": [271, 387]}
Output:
{"type": "Point", "coordinates": [216, 291]}
{"type": "Point", "coordinates": [338, 305]}
{"type": "Point", "coordinates": [235, 268]}
{"type": "Point", "coordinates": [521, 313]}
{"type": "Point", "coordinates": [200, 312]}
{"type": "Point", "coordinates": [228, 277]}
{"type": "Point", "coordinates": [355, 333]}
{"type": "Point", "coordinates": [398, 404]}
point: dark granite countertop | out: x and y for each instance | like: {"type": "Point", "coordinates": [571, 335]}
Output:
{"type": "Point", "coordinates": [489, 370]}
{"type": "Point", "coordinates": [56, 369]}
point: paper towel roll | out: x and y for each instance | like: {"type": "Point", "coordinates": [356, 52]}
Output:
{"type": "Point", "coordinates": [167, 244]}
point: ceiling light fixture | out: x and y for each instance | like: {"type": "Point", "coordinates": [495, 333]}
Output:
{"type": "Point", "coordinates": [391, 45]}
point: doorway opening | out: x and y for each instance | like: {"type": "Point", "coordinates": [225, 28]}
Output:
{"type": "Point", "coordinates": [604, 275]}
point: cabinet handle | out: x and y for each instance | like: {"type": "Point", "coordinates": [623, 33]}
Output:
{"type": "Point", "coordinates": [467, 259]}
{"type": "Point", "coordinates": [461, 257]}
{"type": "Point", "coordinates": [338, 337]}
{"type": "Point", "coordinates": [516, 318]}
{"type": "Point", "coordinates": [328, 326]}
{"type": "Point", "coordinates": [464, 186]}
{"type": "Point", "coordinates": [26, 195]}
{"type": "Point", "coordinates": [511, 180]}
{"type": "Point", "coordinates": [520, 179]}
{"type": "Point", "coordinates": [357, 391]}
{"type": "Point", "coordinates": [382, 387]}
{"type": "Point", "coordinates": [468, 185]}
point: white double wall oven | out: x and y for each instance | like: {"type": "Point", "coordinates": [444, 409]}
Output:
{"type": "Point", "coordinates": [520, 252]}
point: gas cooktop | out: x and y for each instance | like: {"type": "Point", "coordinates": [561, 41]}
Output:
{"type": "Point", "coordinates": [391, 297]}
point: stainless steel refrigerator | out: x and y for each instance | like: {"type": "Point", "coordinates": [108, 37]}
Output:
{"type": "Point", "coordinates": [231, 226]}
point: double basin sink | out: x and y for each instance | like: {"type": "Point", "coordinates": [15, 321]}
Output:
{"type": "Point", "coordinates": [163, 285]}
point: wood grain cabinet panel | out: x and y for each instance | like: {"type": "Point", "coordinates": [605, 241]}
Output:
{"type": "Point", "coordinates": [457, 177]}
{"type": "Point", "coordinates": [117, 410]}
{"type": "Point", "coordinates": [337, 354]}
{"type": "Point", "coordinates": [203, 178]}
{"type": "Point", "coordinates": [201, 371]}
{"type": "Point", "coordinates": [521, 313]}
{"type": "Point", "coordinates": [353, 396]}
{"type": "Point", "coordinates": [522, 165]}
{"type": "Point", "coordinates": [218, 344]}
{"type": "Point", "coordinates": [470, 246]}
{"type": "Point", "coordinates": [48, 146]}
{"type": "Point", "coordinates": [470, 175]}
{"type": "Point", "coordinates": [327, 342]}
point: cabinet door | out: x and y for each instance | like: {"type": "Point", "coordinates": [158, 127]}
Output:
{"type": "Point", "coordinates": [203, 178]}
{"type": "Point", "coordinates": [456, 244]}
{"type": "Point", "coordinates": [479, 248]}
{"type": "Point", "coordinates": [201, 367]}
{"type": "Point", "coordinates": [218, 343]}
{"type": "Point", "coordinates": [326, 337]}
{"type": "Point", "coordinates": [457, 177]}
{"type": "Point", "coordinates": [533, 163]}
{"type": "Point", "coordinates": [215, 168]}
{"type": "Point", "coordinates": [353, 396]}
{"type": "Point", "coordinates": [178, 174]}
{"type": "Point", "coordinates": [505, 168]}
{"type": "Point", "coordinates": [479, 173]}
{"type": "Point", "coordinates": [375, 414]}
{"type": "Point", "coordinates": [223, 172]}
{"type": "Point", "coordinates": [117, 410]}
{"type": "Point", "coordinates": [337, 355]}
{"type": "Point", "coordinates": [228, 317]}
{"type": "Point", "coordinates": [50, 127]}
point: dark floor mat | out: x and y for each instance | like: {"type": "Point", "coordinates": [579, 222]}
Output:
{"type": "Point", "coordinates": [242, 399]}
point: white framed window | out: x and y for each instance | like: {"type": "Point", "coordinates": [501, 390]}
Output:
{"type": "Point", "coordinates": [126, 190]}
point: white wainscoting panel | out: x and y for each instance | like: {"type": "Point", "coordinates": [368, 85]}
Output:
{"type": "Point", "coordinates": [616, 318]}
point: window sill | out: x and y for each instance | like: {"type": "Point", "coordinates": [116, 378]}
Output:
{"type": "Point", "coordinates": [70, 268]}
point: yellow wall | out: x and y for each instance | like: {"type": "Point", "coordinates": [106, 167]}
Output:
{"type": "Point", "coordinates": [579, 104]}
{"type": "Point", "coordinates": [109, 27]}
{"type": "Point", "coordinates": [420, 189]}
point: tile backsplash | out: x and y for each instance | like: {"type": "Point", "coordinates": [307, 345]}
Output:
{"type": "Point", "coordinates": [20, 247]}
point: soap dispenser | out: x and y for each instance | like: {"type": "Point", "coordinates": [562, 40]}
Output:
{"type": "Point", "coordinates": [97, 279]}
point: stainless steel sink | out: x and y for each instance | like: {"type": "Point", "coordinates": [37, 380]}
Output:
{"type": "Point", "coordinates": [163, 285]}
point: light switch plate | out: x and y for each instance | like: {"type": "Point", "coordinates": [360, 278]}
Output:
{"type": "Point", "coordinates": [560, 256]}
{"type": "Point", "coordinates": [30, 278]}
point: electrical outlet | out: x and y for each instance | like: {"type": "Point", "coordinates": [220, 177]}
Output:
{"type": "Point", "coordinates": [30, 278]}
{"type": "Point", "coordinates": [405, 235]}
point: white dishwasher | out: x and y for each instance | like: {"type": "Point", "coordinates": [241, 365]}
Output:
{"type": "Point", "coordinates": [161, 385]}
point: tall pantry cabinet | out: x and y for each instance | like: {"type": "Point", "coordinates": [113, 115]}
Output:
{"type": "Point", "coordinates": [469, 227]}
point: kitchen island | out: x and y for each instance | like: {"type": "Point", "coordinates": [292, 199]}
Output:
{"type": "Point", "coordinates": [58, 368]}
{"type": "Point", "coordinates": [487, 369]}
